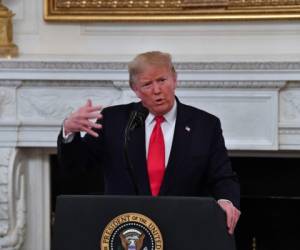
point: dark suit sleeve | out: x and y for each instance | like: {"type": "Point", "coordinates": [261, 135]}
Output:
{"type": "Point", "coordinates": [222, 181]}
{"type": "Point", "coordinates": [81, 153]}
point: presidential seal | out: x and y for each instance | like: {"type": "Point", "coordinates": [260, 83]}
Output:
{"type": "Point", "coordinates": [131, 231]}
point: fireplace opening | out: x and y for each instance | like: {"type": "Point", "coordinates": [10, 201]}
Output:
{"type": "Point", "coordinates": [270, 198]}
{"type": "Point", "coordinates": [270, 203]}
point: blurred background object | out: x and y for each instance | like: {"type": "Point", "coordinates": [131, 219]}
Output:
{"type": "Point", "coordinates": [7, 48]}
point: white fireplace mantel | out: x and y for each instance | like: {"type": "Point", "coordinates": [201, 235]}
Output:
{"type": "Point", "coordinates": [81, 68]}
{"type": "Point", "coordinates": [258, 104]}
{"type": "Point", "coordinates": [36, 94]}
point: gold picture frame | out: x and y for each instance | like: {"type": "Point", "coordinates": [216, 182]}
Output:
{"type": "Point", "coordinates": [169, 10]}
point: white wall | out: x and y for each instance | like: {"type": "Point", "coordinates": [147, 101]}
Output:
{"type": "Point", "coordinates": [242, 41]}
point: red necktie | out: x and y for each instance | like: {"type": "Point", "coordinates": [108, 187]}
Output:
{"type": "Point", "coordinates": [156, 157]}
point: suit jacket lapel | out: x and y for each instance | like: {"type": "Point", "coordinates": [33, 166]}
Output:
{"type": "Point", "coordinates": [181, 141]}
{"type": "Point", "coordinates": [137, 156]}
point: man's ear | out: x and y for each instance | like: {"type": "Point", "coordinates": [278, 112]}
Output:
{"type": "Point", "coordinates": [136, 91]}
{"type": "Point", "coordinates": [175, 80]}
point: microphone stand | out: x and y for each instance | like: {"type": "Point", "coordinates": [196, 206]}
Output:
{"type": "Point", "coordinates": [136, 119]}
{"type": "Point", "coordinates": [131, 125]}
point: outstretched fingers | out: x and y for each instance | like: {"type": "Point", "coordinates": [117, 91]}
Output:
{"type": "Point", "coordinates": [84, 119]}
{"type": "Point", "coordinates": [88, 126]}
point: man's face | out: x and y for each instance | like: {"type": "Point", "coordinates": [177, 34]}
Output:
{"type": "Point", "coordinates": [156, 89]}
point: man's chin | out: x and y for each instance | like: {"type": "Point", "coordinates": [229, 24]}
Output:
{"type": "Point", "coordinates": [160, 109]}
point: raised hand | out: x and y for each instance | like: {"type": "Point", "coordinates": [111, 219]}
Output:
{"type": "Point", "coordinates": [81, 119]}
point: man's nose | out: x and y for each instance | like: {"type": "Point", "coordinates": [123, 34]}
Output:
{"type": "Point", "coordinates": [156, 87]}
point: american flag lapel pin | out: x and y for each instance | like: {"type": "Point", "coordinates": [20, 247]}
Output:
{"type": "Point", "coordinates": [187, 128]}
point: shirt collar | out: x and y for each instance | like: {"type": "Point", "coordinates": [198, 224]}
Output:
{"type": "Point", "coordinates": [169, 117]}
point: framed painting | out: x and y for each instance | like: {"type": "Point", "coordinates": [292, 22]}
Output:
{"type": "Point", "coordinates": [169, 10]}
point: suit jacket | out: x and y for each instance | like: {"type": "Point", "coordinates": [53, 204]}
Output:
{"type": "Point", "coordinates": [198, 164]}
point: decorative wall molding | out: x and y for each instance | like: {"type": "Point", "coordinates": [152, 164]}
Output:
{"type": "Point", "coordinates": [184, 66]}
{"type": "Point", "coordinates": [267, 66]}
{"type": "Point", "coordinates": [7, 103]}
{"type": "Point", "coordinates": [290, 106]}
{"type": "Point", "coordinates": [231, 84]}
{"type": "Point", "coordinates": [219, 84]}
{"type": "Point", "coordinates": [52, 84]}
{"type": "Point", "coordinates": [249, 116]}
{"type": "Point", "coordinates": [13, 234]}
{"type": "Point", "coordinates": [5, 155]}
{"type": "Point", "coordinates": [51, 101]}
{"type": "Point", "coordinates": [43, 92]}
{"type": "Point", "coordinates": [61, 66]}
{"type": "Point", "coordinates": [41, 103]}
{"type": "Point", "coordinates": [66, 69]}
{"type": "Point", "coordinates": [293, 84]}
{"type": "Point", "coordinates": [289, 131]}
{"type": "Point", "coordinates": [33, 106]}
{"type": "Point", "coordinates": [226, 29]}
{"type": "Point", "coordinates": [10, 83]}
{"type": "Point", "coordinates": [289, 136]}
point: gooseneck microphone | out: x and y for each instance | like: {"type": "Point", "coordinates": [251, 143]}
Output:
{"type": "Point", "coordinates": [136, 119]}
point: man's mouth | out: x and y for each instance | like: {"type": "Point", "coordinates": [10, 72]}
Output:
{"type": "Point", "coordinates": [159, 101]}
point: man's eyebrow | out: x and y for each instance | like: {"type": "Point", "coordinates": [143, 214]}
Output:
{"type": "Point", "coordinates": [162, 77]}
{"type": "Point", "coordinates": [146, 82]}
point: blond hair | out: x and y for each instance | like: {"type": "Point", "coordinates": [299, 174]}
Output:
{"type": "Point", "coordinates": [144, 60]}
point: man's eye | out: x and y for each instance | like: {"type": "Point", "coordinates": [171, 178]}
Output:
{"type": "Point", "coordinates": [147, 85]}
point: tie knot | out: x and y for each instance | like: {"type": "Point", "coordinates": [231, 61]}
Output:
{"type": "Point", "coordinates": [159, 119]}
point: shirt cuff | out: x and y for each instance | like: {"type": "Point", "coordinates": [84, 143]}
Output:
{"type": "Point", "coordinates": [67, 138]}
{"type": "Point", "coordinates": [225, 201]}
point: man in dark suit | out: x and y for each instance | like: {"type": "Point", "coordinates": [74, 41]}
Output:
{"type": "Point", "coordinates": [156, 147]}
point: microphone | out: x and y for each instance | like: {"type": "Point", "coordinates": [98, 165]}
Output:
{"type": "Point", "coordinates": [136, 119]}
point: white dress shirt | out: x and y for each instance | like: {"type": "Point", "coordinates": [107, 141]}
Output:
{"type": "Point", "coordinates": [168, 127]}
